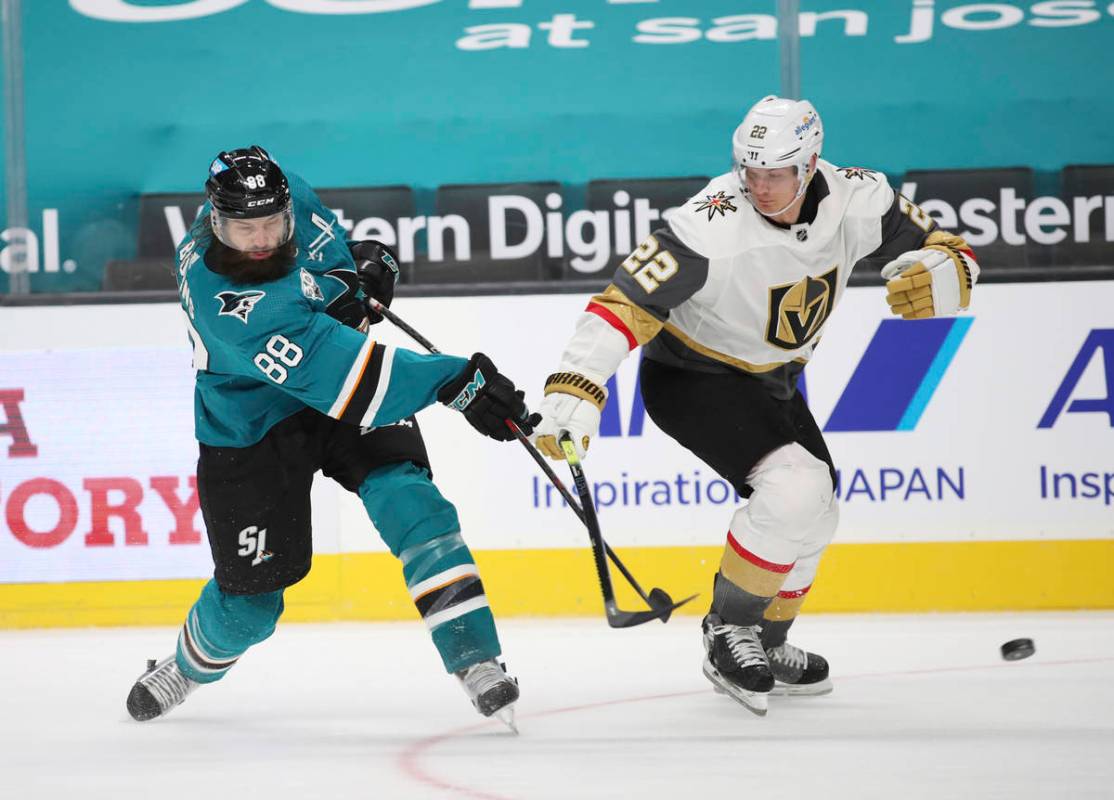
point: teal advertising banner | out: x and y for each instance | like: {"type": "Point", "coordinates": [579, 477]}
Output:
{"type": "Point", "coordinates": [131, 97]}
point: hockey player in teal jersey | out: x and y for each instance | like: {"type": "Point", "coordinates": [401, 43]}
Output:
{"type": "Point", "coordinates": [290, 383]}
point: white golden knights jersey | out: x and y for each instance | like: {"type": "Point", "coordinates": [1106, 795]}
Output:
{"type": "Point", "coordinates": [723, 288]}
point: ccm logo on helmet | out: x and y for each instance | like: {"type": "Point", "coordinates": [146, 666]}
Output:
{"type": "Point", "coordinates": [265, 201]}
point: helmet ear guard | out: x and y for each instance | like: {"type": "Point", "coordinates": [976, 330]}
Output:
{"type": "Point", "coordinates": [777, 132]}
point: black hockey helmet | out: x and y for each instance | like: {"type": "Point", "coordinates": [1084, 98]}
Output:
{"type": "Point", "coordinates": [247, 184]}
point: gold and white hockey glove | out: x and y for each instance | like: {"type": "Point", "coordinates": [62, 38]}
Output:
{"type": "Point", "coordinates": [572, 403]}
{"type": "Point", "coordinates": [935, 281]}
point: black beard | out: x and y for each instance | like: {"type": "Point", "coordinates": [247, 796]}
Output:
{"type": "Point", "coordinates": [241, 268]}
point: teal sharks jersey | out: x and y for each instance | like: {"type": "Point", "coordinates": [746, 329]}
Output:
{"type": "Point", "coordinates": [268, 350]}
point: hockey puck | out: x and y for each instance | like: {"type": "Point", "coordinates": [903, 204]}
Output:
{"type": "Point", "coordinates": [1017, 649]}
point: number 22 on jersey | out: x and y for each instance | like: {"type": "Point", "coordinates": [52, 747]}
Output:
{"type": "Point", "coordinates": [650, 266]}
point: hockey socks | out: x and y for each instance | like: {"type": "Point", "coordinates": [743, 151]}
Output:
{"type": "Point", "coordinates": [445, 585]}
{"type": "Point", "coordinates": [421, 528]}
{"type": "Point", "coordinates": [745, 584]}
{"type": "Point", "coordinates": [221, 627]}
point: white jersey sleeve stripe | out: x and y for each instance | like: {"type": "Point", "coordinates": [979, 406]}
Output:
{"type": "Point", "coordinates": [381, 388]}
{"type": "Point", "coordinates": [352, 379]}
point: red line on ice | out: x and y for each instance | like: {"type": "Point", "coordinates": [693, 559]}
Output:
{"type": "Point", "coordinates": [409, 760]}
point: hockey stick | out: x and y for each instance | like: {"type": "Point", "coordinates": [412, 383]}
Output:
{"type": "Point", "coordinates": [658, 599]}
{"type": "Point", "coordinates": [616, 617]}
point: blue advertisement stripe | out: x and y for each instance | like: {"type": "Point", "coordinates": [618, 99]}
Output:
{"type": "Point", "coordinates": [889, 375]}
{"type": "Point", "coordinates": [610, 424]}
{"type": "Point", "coordinates": [638, 408]}
{"type": "Point", "coordinates": [935, 373]}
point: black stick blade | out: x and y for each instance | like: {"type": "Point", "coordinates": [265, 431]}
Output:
{"type": "Point", "coordinates": [629, 619]}
{"type": "Point", "coordinates": [659, 600]}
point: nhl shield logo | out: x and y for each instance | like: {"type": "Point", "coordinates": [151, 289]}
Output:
{"type": "Point", "coordinates": [798, 310]}
{"type": "Point", "coordinates": [238, 304]}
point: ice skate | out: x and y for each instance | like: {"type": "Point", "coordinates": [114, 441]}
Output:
{"type": "Point", "coordinates": [736, 663]}
{"type": "Point", "coordinates": [798, 672]}
{"type": "Point", "coordinates": [158, 690]}
{"type": "Point", "coordinates": [493, 692]}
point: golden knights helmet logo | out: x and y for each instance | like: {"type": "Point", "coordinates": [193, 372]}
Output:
{"type": "Point", "coordinates": [798, 310]}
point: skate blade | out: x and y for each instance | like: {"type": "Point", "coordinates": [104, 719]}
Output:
{"type": "Point", "coordinates": [506, 716]}
{"type": "Point", "coordinates": [754, 702]}
{"type": "Point", "coordinates": [806, 690]}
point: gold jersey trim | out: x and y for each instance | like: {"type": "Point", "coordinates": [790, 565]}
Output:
{"type": "Point", "coordinates": [739, 363]}
{"type": "Point", "coordinates": [643, 325]}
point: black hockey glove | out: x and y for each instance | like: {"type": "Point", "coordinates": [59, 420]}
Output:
{"type": "Point", "coordinates": [377, 269]}
{"type": "Point", "coordinates": [348, 306]}
{"type": "Point", "coordinates": [486, 397]}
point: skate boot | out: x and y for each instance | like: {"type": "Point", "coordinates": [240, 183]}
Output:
{"type": "Point", "coordinates": [158, 690]}
{"type": "Point", "coordinates": [797, 672]}
{"type": "Point", "coordinates": [736, 663]}
{"type": "Point", "coordinates": [491, 689]}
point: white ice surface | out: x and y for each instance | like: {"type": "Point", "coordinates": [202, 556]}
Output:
{"type": "Point", "coordinates": [923, 707]}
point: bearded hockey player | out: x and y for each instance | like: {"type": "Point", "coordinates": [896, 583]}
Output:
{"type": "Point", "coordinates": [728, 301]}
{"type": "Point", "coordinates": [288, 383]}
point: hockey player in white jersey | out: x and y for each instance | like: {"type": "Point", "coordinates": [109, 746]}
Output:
{"type": "Point", "coordinates": [729, 301]}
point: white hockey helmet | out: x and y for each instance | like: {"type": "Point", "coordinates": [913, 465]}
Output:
{"type": "Point", "coordinates": [777, 132]}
